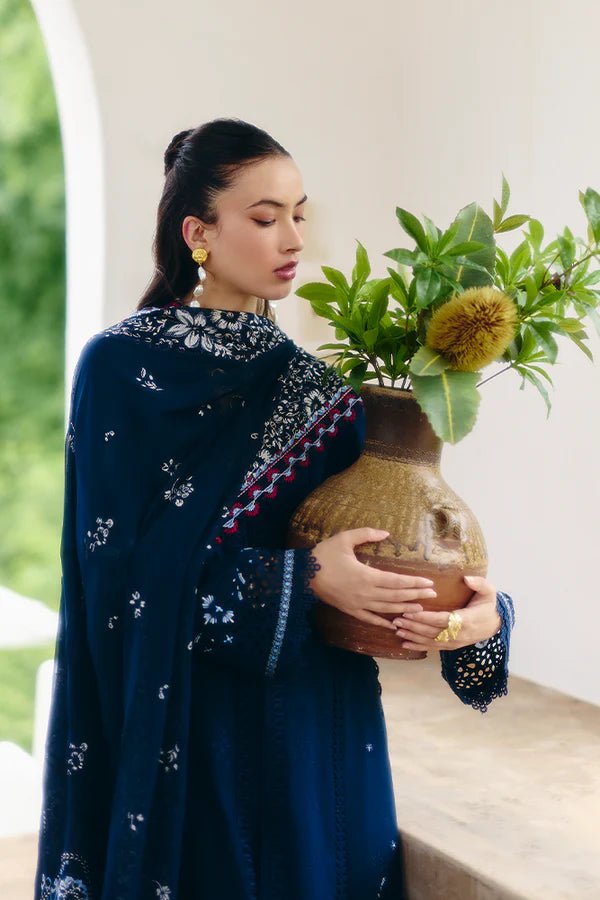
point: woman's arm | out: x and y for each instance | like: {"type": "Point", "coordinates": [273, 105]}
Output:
{"type": "Point", "coordinates": [253, 608]}
{"type": "Point", "coordinates": [478, 673]}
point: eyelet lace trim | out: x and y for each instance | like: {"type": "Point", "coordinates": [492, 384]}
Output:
{"type": "Point", "coordinates": [478, 674]}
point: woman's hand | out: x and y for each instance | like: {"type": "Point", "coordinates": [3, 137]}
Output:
{"type": "Point", "coordinates": [363, 591]}
{"type": "Point", "coordinates": [480, 621]}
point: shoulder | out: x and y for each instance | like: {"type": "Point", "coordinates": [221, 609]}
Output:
{"type": "Point", "coordinates": [97, 369]}
{"type": "Point", "coordinates": [102, 346]}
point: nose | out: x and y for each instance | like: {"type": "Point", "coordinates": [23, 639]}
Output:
{"type": "Point", "coordinates": [295, 243]}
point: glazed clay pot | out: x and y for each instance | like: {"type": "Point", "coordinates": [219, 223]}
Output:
{"type": "Point", "coordinates": [395, 485]}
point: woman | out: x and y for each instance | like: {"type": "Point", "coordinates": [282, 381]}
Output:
{"type": "Point", "coordinates": [203, 742]}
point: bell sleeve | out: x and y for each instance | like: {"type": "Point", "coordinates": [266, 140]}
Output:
{"type": "Point", "coordinates": [478, 673]}
{"type": "Point", "coordinates": [254, 608]}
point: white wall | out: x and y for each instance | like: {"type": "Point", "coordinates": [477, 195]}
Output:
{"type": "Point", "coordinates": [418, 105]}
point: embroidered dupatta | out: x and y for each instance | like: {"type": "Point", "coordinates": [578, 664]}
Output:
{"type": "Point", "coordinates": [168, 408]}
{"type": "Point", "coordinates": [181, 422]}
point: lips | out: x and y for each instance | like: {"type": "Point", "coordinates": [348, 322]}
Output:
{"type": "Point", "coordinates": [288, 268]}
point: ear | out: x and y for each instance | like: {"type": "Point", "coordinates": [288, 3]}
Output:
{"type": "Point", "coordinates": [194, 232]}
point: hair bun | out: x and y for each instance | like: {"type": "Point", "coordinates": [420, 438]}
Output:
{"type": "Point", "coordinates": [172, 151]}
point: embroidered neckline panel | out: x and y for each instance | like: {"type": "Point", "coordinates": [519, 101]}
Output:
{"type": "Point", "coordinates": [225, 333]}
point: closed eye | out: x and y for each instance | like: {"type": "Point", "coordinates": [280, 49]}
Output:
{"type": "Point", "coordinates": [271, 221]}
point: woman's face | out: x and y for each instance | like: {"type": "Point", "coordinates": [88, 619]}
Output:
{"type": "Point", "coordinates": [253, 237]}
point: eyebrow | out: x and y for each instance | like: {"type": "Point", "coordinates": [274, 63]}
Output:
{"type": "Point", "coordinates": [276, 203]}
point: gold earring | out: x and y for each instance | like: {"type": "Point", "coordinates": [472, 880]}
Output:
{"type": "Point", "coordinates": [199, 255]}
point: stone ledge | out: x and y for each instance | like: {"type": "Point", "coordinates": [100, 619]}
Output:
{"type": "Point", "coordinates": [499, 806]}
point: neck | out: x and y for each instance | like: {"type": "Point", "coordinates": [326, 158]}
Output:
{"type": "Point", "coordinates": [213, 300]}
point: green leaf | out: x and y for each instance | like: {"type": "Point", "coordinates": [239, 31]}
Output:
{"type": "Point", "coordinates": [592, 278]}
{"type": "Point", "coordinates": [546, 340]}
{"type": "Point", "coordinates": [402, 256]}
{"type": "Point", "coordinates": [428, 362]}
{"type": "Point", "coordinates": [433, 232]}
{"type": "Point", "coordinates": [505, 194]}
{"type": "Point", "coordinates": [428, 285]}
{"type": "Point", "coordinates": [317, 290]}
{"type": "Point", "coordinates": [362, 268]}
{"type": "Point", "coordinates": [531, 377]}
{"type": "Point", "coordinates": [370, 337]}
{"type": "Point", "coordinates": [568, 248]}
{"type": "Point", "coordinates": [337, 278]}
{"type": "Point", "coordinates": [511, 223]}
{"type": "Point", "coordinates": [341, 347]}
{"type": "Point", "coordinates": [350, 364]}
{"type": "Point", "coordinates": [398, 282]}
{"type": "Point", "coordinates": [577, 340]}
{"type": "Point", "coordinates": [591, 204]}
{"type": "Point", "coordinates": [447, 237]}
{"type": "Point", "coordinates": [497, 214]}
{"type": "Point", "coordinates": [357, 376]}
{"type": "Point", "coordinates": [541, 371]}
{"type": "Point", "coordinates": [465, 247]}
{"type": "Point", "coordinates": [450, 401]}
{"type": "Point", "coordinates": [474, 224]}
{"type": "Point", "coordinates": [413, 227]}
{"type": "Point", "coordinates": [536, 233]}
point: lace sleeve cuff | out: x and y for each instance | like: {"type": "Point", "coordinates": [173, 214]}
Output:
{"type": "Point", "coordinates": [477, 674]}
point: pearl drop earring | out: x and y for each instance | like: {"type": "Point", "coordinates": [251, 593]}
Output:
{"type": "Point", "coordinates": [199, 255]}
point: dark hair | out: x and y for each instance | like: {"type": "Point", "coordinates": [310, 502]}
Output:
{"type": "Point", "coordinates": [199, 164]}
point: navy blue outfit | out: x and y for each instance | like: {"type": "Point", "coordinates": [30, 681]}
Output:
{"type": "Point", "coordinates": [204, 743]}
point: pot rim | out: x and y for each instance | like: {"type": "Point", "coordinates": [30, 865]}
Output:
{"type": "Point", "coordinates": [385, 390]}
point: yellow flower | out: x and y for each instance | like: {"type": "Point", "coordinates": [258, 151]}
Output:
{"type": "Point", "coordinates": [474, 328]}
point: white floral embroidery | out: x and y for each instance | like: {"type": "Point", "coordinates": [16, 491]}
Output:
{"type": "Point", "coordinates": [67, 887]}
{"type": "Point", "coordinates": [201, 410]}
{"type": "Point", "coordinates": [161, 691]}
{"type": "Point", "coordinates": [146, 379]}
{"type": "Point", "coordinates": [168, 758]}
{"type": "Point", "coordinates": [108, 434]}
{"type": "Point", "coordinates": [137, 606]}
{"type": "Point", "coordinates": [234, 334]}
{"type": "Point", "coordinates": [212, 617]}
{"type": "Point", "coordinates": [111, 621]}
{"type": "Point", "coordinates": [100, 536]}
{"type": "Point", "coordinates": [76, 758]}
{"type": "Point", "coordinates": [369, 747]}
{"type": "Point", "coordinates": [133, 818]}
{"type": "Point", "coordinates": [163, 891]}
{"type": "Point", "coordinates": [180, 490]}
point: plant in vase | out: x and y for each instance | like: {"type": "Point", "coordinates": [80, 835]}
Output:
{"type": "Point", "coordinates": [456, 303]}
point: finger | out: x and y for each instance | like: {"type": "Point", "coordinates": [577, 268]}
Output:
{"type": "Point", "coordinates": [430, 645]}
{"type": "Point", "coordinates": [405, 596]}
{"type": "Point", "coordinates": [381, 578]}
{"type": "Point", "coordinates": [391, 607]}
{"type": "Point", "coordinates": [372, 619]}
{"type": "Point", "coordinates": [479, 584]}
{"type": "Point", "coordinates": [417, 645]}
{"type": "Point", "coordinates": [408, 629]}
{"type": "Point", "coordinates": [437, 618]}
